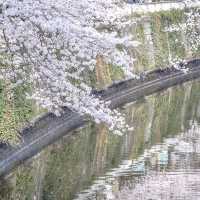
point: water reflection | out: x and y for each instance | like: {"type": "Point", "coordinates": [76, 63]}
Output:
{"type": "Point", "coordinates": [162, 152]}
{"type": "Point", "coordinates": [169, 170]}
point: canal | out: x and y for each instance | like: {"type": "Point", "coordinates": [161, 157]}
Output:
{"type": "Point", "coordinates": [159, 159]}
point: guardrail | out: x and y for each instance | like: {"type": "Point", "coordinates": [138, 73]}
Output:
{"type": "Point", "coordinates": [141, 8]}
{"type": "Point", "coordinates": [142, 2]}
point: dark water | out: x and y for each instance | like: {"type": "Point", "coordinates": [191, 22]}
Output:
{"type": "Point", "coordinates": [160, 159]}
{"type": "Point", "coordinates": [166, 165]}
{"type": "Point", "coordinates": [170, 170]}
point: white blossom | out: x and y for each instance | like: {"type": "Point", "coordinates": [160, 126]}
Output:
{"type": "Point", "coordinates": [53, 44]}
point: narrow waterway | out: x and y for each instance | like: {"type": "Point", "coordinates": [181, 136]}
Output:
{"type": "Point", "coordinates": [159, 159]}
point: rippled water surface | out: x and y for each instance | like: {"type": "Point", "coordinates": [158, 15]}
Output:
{"type": "Point", "coordinates": [165, 163]}
{"type": "Point", "coordinates": [168, 170]}
{"type": "Point", "coordinates": [159, 159]}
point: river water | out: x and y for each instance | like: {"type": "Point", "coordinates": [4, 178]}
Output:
{"type": "Point", "coordinates": [158, 160]}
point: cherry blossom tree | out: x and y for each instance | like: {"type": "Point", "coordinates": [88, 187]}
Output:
{"type": "Point", "coordinates": [53, 45]}
{"type": "Point", "coordinates": [191, 29]}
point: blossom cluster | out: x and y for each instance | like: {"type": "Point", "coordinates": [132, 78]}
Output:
{"type": "Point", "coordinates": [52, 45]}
{"type": "Point", "coordinates": [191, 26]}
